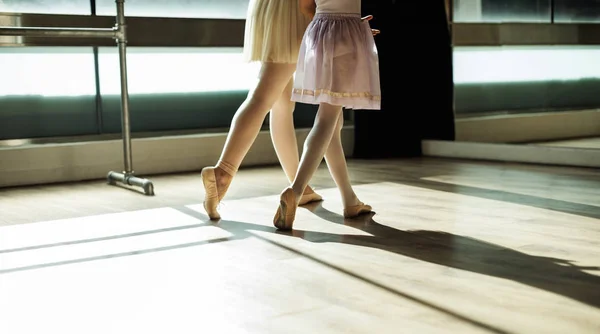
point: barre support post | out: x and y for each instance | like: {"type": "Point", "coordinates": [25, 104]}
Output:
{"type": "Point", "coordinates": [127, 176]}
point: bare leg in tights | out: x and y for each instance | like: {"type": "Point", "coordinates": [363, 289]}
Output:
{"type": "Point", "coordinates": [283, 132]}
{"type": "Point", "coordinates": [250, 115]}
{"type": "Point", "coordinates": [315, 146]}
{"type": "Point", "coordinates": [284, 139]}
{"type": "Point", "coordinates": [336, 162]}
{"type": "Point", "coordinates": [324, 138]}
{"type": "Point", "coordinates": [247, 122]}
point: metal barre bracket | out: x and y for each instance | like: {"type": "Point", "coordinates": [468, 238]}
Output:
{"type": "Point", "coordinates": [130, 179]}
{"type": "Point", "coordinates": [118, 32]}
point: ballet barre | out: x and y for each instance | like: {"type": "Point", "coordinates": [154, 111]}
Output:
{"type": "Point", "coordinates": [119, 33]}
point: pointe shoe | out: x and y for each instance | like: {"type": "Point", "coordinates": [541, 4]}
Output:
{"type": "Point", "coordinates": [357, 210]}
{"type": "Point", "coordinates": [286, 213]}
{"type": "Point", "coordinates": [309, 196]}
{"type": "Point", "coordinates": [212, 198]}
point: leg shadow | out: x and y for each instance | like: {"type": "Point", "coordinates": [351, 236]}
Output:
{"type": "Point", "coordinates": [558, 276]}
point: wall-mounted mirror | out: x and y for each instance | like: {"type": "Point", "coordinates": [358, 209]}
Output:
{"type": "Point", "coordinates": [527, 80]}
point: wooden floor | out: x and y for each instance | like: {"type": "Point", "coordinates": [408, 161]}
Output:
{"type": "Point", "coordinates": [455, 247]}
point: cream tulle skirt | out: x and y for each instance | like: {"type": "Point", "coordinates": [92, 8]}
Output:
{"type": "Point", "coordinates": [274, 30]}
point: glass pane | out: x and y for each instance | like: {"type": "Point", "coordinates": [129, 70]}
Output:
{"type": "Point", "coordinates": [176, 88]}
{"type": "Point", "coordinates": [225, 9]}
{"type": "Point", "coordinates": [502, 11]}
{"type": "Point", "coordinates": [47, 92]}
{"type": "Point", "coordinates": [491, 79]}
{"type": "Point", "coordinates": [180, 88]}
{"type": "Point", "coordinates": [177, 70]}
{"type": "Point", "coordinates": [583, 11]}
{"type": "Point", "coordinates": [74, 7]}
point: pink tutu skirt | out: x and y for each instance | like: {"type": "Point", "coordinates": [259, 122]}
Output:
{"type": "Point", "coordinates": [338, 63]}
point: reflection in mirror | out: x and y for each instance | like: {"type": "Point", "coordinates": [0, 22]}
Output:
{"type": "Point", "coordinates": [528, 94]}
{"type": "Point", "coordinates": [525, 92]}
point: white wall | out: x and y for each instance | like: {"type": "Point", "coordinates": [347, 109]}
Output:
{"type": "Point", "coordinates": [529, 127]}
{"type": "Point", "coordinates": [50, 163]}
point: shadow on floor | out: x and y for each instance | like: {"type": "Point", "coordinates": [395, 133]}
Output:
{"type": "Point", "coordinates": [584, 210]}
{"type": "Point", "coordinates": [557, 276]}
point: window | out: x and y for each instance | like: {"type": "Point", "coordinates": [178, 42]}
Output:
{"type": "Point", "coordinates": [526, 78]}
{"type": "Point", "coordinates": [225, 9]}
{"type": "Point", "coordinates": [177, 70]}
{"type": "Point", "coordinates": [74, 7]}
{"type": "Point", "coordinates": [502, 11]}
{"type": "Point", "coordinates": [51, 91]}
{"type": "Point", "coordinates": [525, 64]}
{"type": "Point", "coordinates": [47, 92]}
{"type": "Point", "coordinates": [580, 11]}
{"type": "Point", "coordinates": [175, 88]}
{"type": "Point", "coordinates": [47, 72]}
{"type": "Point", "coordinates": [180, 88]}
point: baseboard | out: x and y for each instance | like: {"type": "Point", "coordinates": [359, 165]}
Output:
{"type": "Point", "coordinates": [530, 127]}
{"type": "Point", "coordinates": [65, 162]}
{"type": "Point", "coordinates": [537, 154]}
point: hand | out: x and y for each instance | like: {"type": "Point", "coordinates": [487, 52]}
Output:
{"type": "Point", "coordinates": [375, 32]}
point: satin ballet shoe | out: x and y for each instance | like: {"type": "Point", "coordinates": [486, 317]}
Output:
{"type": "Point", "coordinates": [211, 191]}
{"type": "Point", "coordinates": [309, 196]}
{"type": "Point", "coordinates": [286, 212]}
{"type": "Point", "coordinates": [212, 197]}
{"type": "Point", "coordinates": [357, 210]}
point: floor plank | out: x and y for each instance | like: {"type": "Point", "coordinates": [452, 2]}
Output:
{"type": "Point", "coordinates": [454, 246]}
